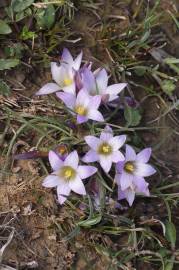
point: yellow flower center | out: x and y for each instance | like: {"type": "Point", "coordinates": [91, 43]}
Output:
{"type": "Point", "coordinates": [68, 173]}
{"type": "Point", "coordinates": [81, 110]}
{"type": "Point", "coordinates": [67, 81]}
{"type": "Point", "coordinates": [105, 149]}
{"type": "Point", "coordinates": [129, 167]}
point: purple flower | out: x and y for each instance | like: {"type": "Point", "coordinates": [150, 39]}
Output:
{"type": "Point", "coordinates": [64, 80]}
{"type": "Point", "coordinates": [67, 175]}
{"type": "Point", "coordinates": [97, 84]}
{"type": "Point", "coordinates": [129, 193]}
{"type": "Point", "coordinates": [105, 149]}
{"type": "Point", "coordinates": [84, 106]}
{"type": "Point", "coordinates": [131, 172]}
{"type": "Point", "coordinates": [67, 60]}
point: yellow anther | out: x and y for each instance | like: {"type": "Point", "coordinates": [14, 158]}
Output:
{"type": "Point", "coordinates": [129, 167]}
{"type": "Point", "coordinates": [106, 148]}
{"type": "Point", "coordinates": [68, 173]}
{"type": "Point", "coordinates": [80, 110]}
{"type": "Point", "coordinates": [67, 81]}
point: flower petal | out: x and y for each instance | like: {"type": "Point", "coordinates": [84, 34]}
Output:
{"type": "Point", "coordinates": [130, 195]}
{"type": "Point", "coordinates": [121, 194]}
{"type": "Point", "coordinates": [89, 81]}
{"type": "Point", "coordinates": [92, 141]}
{"type": "Point", "coordinates": [105, 162]}
{"type": "Point", "coordinates": [115, 89]}
{"type": "Point", "coordinates": [86, 171]}
{"type": "Point", "coordinates": [106, 134]}
{"type": "Point", "coordinates": [77, 186]}
{"type": "Point", "coordinates": [77, 61]}
{"type": "Point", "coordinates": [117, 156]}
{"type": "Point", "coordinates": [117, 141]}
{"type": "Point", "coordinates": [81, 119]}
{"type": "Point", "coordinates": [95, 102]}
{"type": "Point", "coordinates": [63, 190]}
{"type": "Point", "coordinates": [51, 181]}
{"type": "Point", "coordinates": [55, 161]}
{"type": "Point", "coordinates": [67, 57]}
{"type": "Point", "coordinates": [70, 89]}
{"type": "Point", "coordinates": [83, 98]}
{"type": "Point", "coordinates": [143, 169]}
{"type": "Point", "coordinates": [140, 184]}
{"type": "Point", "coordinates": [126, 180]}
{"type": "Point", "coordinates": [91, 156]}
{"type": "Point", "coordinates": [48, 89]}
{"type": "Point", "coordinates": [95, 115]}
{"type": "Point", "coordinates": [72, 160]}
{"type": "Point", "coordinates": [144, 155]}
{"type": "Point", "coordinates": [130, 153]}
{"type": "Point", "coordinates": [120, 166]}
{"type": "Point", "coordinates": [67, 98]}
{"type": "Point", "coordinates": [102, 81]}
{"type": "Point", "coordinates": [57, 72]}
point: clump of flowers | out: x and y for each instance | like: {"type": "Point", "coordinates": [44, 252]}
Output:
{"type": "Point", "coordinates": [84, 92]}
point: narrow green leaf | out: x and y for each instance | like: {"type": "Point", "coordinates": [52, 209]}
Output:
{"type": "Point", "coordinates": [4, 28]}
{"type": "Point", "coordinates": [170, 233]}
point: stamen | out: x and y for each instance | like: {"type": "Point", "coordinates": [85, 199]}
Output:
{"type": "Point", "coordinates": [129, 167]}
{"type": "Point", "coordinates": [105, 149]}
{"type": "Point", "coordinates": [67, 81]}
{"type": "Point", "coordinates": [68, 173]}
{"type": "Point", "coordinates": [81, 110]}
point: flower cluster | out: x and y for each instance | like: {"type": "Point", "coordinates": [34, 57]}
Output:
{"type": "Point", "coordinates": [83, 91]}
{"type": "Point", "coordinates": [79, 88]}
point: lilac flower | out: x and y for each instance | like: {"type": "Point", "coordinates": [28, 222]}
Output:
{"type": "Point", "coordinates": [67, 60]}
{"type": "Point", "coordinates": [64, 80]}
{"type": "Point", "coordinates": [84, 106]}
{"type": "Point", "coordinates": [67, 175]}
{"type": "Point", "coordinates": [105, 149]}
{"type": "Point", "coordinates": [129, 193]}
{"type": "Point", "coordinates": [131, 172]}
{"type": "Point", "coordinates": [97, 84]}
